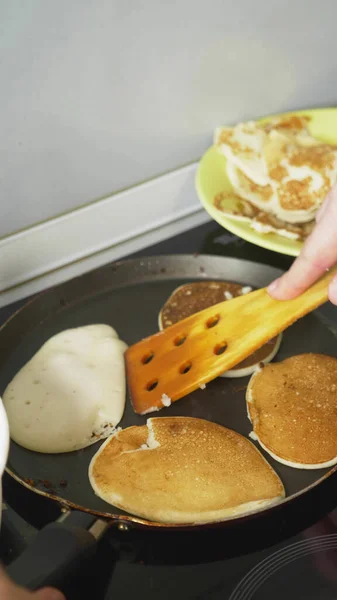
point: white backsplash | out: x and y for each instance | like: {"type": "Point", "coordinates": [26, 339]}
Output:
{"type": "Point", "coordinates": [99, 95]}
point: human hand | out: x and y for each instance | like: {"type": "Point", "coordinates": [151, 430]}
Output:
{"type": "Point", "coordinates": [11, 591]}
{"type": "Point", "coordinates": [318, 254]}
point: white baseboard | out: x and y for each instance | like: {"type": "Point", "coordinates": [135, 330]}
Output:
{"type": "Point", "coordinates": [106, 230]}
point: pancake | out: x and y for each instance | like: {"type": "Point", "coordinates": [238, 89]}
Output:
{"type": "Point", "coordinates": [261, 221]}
{"type": "Point", "coordinates": [292, 406]}
{"type": "Point", "coordinates": [278, 166]}
{"type": "Point", "coordinates": [70, 393]}
{"type": "Point", "coordinates": [255, 147]}
{"type": "Point", "coordinates": [295, 194]}
{"type": "Point", "coordinates": [183, 470]}
{"type": "Point", "coordinates": [193, 297]}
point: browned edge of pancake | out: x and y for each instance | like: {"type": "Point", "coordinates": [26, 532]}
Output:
{"type": "Point", "coordinates": [192, 469]}
{"type": "Point", "coordinates": [246, 210]}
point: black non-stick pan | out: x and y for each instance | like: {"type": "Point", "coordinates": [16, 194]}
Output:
{"type": "Point", "coordinates": [128, 296]}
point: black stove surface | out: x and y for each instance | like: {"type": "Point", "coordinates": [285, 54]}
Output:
{"type": "Point", "coordinates": [298, 559]}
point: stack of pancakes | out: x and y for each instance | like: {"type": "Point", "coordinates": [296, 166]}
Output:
{"type": "Point", "coordinates": [279, 173]}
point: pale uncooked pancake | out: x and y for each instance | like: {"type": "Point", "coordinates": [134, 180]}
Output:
{"type": "Point", "coordinates": [183, 470]}
{"type": "Point", "coordinates": [279, 167]}
{"type": "Point", "coordinates": [190, 298]}
{"type": "Point", "coordinates": [292, 406]}
{"type": "Point", "coordinates": [71, 393]}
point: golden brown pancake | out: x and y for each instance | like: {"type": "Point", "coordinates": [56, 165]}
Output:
{"type": "Point", "coordinates": [257, 147]}
{"type": "Point", "coordinates": [293, 409]}
{"type": "Point", "coordinates": [183, 470]}
{"type": "Point", "coordinates": [190, 298]}
{"type": "Point", "coordinates": [278, 166]}
{"type": "Point", "coordinates": [296, 189]}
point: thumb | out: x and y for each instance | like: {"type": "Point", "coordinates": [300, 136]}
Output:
{"type": "Point", "coordinates": [319, 253]}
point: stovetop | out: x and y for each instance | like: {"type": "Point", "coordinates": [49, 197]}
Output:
{"type": "Point", "coordinates": [298, 561]}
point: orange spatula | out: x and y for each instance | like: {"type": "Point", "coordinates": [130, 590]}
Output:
{"type": "Point", "coordinates": [172, 363]}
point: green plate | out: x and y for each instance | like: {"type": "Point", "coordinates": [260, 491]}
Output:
{"type": "Point", "coordinates": [211, 179]}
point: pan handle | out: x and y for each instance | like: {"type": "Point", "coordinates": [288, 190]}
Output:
{"type": "Point", "coordinates": [58, 551]}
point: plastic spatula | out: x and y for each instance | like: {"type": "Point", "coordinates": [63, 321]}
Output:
{"type": "Point", "coordinates": [172, 363]}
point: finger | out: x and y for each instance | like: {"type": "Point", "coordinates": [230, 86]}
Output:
{"type": "Point", "coordinates": [48, 594]}
{"type": "Point", "coordinates": [8, 589]}
{"type": "Point", "coordinates": [319, 254]}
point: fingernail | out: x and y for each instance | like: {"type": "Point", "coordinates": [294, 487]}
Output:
{"type": "Point", "coordinates": [273, 286]}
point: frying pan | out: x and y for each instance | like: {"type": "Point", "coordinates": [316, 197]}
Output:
{"type": "Point", "coordinates": [128, 296]}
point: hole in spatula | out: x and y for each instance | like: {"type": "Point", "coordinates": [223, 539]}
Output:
{"type": "Point", "coordinates": [152, 385]}
{"type": "Point", "coordinates": [147, 358]}
{"type": "Point", "coordinates": [212, 321]}
{"type": "Point", "coordinates": [180, 339]}
{"type": "Point", "coordinates": [185, 368]}
{"type": "Point", "coordinates": [220, 348]}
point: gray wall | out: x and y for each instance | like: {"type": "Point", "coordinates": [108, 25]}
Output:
{"type": "Point", "coordinates": [97, 95]}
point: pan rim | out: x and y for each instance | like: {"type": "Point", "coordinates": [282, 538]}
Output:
{"type": "Point", "coordinates": [115, 518]}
